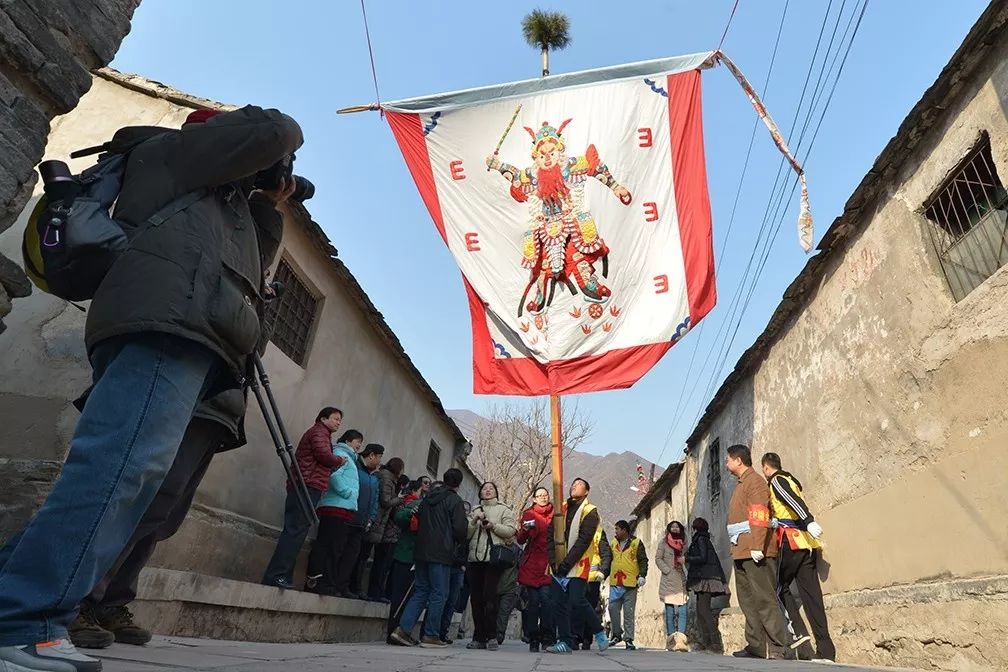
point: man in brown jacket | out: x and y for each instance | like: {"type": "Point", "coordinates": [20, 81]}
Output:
{"type": "Point", "coordinates": [754, 551]}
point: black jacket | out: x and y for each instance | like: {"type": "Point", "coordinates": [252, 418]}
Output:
{"type": "Point", "coordinates": [586, 532]}
{"type": "Point", "coordinates": [702, 560]}
{"type": "Point", "coordinates": [227, 408]}
{"type": "Point", "coordinates": [199, 273]}
{"type": "Point", "coordinates": [443, 527]}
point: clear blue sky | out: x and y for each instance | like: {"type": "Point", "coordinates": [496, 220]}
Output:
{"type": "Point", "coordinates": [310, 58]}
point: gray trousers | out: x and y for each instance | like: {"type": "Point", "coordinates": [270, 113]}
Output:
{"type": "Point", "coordinates": [625, 606]}
{"type": "Point", "coordinates": [766, 629]}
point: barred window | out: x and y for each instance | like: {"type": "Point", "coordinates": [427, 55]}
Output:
{"type": "Point", "coordinates": [967, 221]}
{"type": "Point", "coordinates": [714, 471]}
{"type": "Point", "coordinates": [289, 319]}
{"type": "Point", "coordinates": [433, 459]}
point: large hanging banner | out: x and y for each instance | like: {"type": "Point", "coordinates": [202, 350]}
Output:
{"type": "Point", "coordinates": [576, 207]}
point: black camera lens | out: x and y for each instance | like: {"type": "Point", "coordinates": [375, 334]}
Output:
{"type": "Point", "coordinates": [55, 171]}
{"type": "Point", "coordinates": [59, 183]}
{"type": "Point", "coordinates": [303, 189]}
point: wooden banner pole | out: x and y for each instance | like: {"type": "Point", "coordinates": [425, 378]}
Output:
{"type": "Point", "coordinates": [559, 519]}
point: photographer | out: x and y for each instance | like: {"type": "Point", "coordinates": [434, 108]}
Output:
{"type": "Point", "coordinates": [172, 323]}
{"type": "Point", "coordinates": [217, 426]}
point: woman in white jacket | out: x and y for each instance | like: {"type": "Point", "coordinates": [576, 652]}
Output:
{"type": "Point", "coordinates": [490, 524]}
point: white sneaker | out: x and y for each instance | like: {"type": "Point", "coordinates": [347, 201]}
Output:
{"type": "Point", "coordinates": [55, 656]}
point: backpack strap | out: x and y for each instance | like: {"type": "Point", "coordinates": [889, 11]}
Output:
{"type": "Point", "coordinates": [176, 206]}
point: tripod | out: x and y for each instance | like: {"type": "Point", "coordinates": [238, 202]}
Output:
{"type": "Point", "coordinates": [259, 382]}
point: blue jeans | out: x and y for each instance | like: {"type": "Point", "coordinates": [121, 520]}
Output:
{"type": "Point", "coordinates": [146, 389]}
{"type": "Point", "coordinates": [431, 585]}
{"type": "Point", "coordinates": [675, 618]}
{"type": "Point", "coordinates": [454, 590]}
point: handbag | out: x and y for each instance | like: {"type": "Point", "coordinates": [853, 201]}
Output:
{"type": "Point", "coordinates": [500, 555]}
{"type": "Point", "coordinates": [503, 556]}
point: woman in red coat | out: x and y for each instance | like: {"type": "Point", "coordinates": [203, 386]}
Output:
{"type": "Point", "coordinates": [536, 532]}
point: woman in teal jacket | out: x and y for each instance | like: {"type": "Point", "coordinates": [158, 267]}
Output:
{"type": "Point", "coordinates": [335, 509]}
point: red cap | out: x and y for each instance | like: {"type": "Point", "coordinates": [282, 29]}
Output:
{"type": "Point", "coordinates": [199, 116]}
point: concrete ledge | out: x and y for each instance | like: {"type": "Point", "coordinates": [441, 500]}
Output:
{"type": "Point", "coordinates": [185, 604]}
{"type": "Point", "coordinates": [989, 587]}
{"type": "Point", "coordinates": [958, 625]}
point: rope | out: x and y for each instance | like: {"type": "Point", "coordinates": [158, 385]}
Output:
{"type": "Point", "coordinates": [374, 73]}
{"type": "Point", "coordinates": [724, 241]}
{"type": "Point", "coordinates": [727, 26]}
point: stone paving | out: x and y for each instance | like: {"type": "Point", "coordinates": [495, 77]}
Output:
{"type": "Point", "coordinates": [178, 653]}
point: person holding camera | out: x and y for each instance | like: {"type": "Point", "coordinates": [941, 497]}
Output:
{"type": "Point", "coordinates": [172, 323]}
{"type": "Point", "coordinates": [491, 529]}
{"type": "Point", "coordinates": [218, 425]}
{"type": "Point", "coordinates": [536, 532]}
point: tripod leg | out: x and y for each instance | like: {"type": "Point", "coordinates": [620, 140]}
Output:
{"type": "Point", "coordinates": [277, 431]}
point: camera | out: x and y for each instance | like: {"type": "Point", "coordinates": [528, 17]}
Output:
{"type": "Point", "coordinates": [282, 170]}
{"type": "Point", "coordinates": [59, 184]}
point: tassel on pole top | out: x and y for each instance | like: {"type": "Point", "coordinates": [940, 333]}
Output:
{"type": "Point", "coordinates": [806, 228]}
{"type": "Point", "coordinates": [371, 107]}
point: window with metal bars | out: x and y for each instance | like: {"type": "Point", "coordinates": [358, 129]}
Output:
{"type": "Point", "coordinates": [433, 459]}
{"type": "Point", "coordinates": [968, 223]}
{"type": "Point", "coordinates": [714, 471]}
{"type": "Point", "coordinates": [289, 319]}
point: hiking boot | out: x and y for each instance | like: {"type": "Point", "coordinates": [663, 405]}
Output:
{"type": "Point", "coordinates": [87, 634]}
{"type": "Point", "coordinates": [630, 645]}
{"type": "Point", "coordinates": [119, 621]}
{"type": "Point", "coordinates": [432, 643]}
{"type": "Point", "coordinates": [681, 642]}
{"type": "Point", "coordinates": [56, 656]}
{"type": "Point", "coordinates": [401, 637]}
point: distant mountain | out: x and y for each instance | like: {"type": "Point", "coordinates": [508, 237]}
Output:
{"type": "Point", "coordinates": [611, 476]}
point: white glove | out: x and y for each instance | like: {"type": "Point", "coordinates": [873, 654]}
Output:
{"type": "Point", "coordinates": [815, 529]}
{"type": "Point", "coordinates": [757, 556]}
{"type": "Point", "coordinates": [641, 580]}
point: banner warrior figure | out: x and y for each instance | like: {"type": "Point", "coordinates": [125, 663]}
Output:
{"type": "Point", "coordinates": [563, 243]}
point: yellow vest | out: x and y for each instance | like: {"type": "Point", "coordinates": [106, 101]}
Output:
{"type": "Point", "coordinates": [795, 538]}
{"type": "Point", "coordinates": [584, 569]}
{"type": "Point", "coordinates": [624, 564]}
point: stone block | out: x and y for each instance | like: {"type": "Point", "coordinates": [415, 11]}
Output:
{"type": "Point", "coordinates": [193, 605]}
{"type": "Point", "coordinates": [14, 279]}
{"type": "Point", "coordinates": [65, 79]}
{"type": "Point", "coordinates": [24, 485]}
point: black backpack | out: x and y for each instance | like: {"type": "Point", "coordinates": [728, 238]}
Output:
{"type": "Point", "coordinates": [69, 247]}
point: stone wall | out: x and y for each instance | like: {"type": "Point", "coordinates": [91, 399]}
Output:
{"type": "Point", "coordinates": [884, 395]}
{"type": "Point", "coordinates": [47, 50]}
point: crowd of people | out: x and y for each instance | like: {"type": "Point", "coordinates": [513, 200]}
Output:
{"type": "Point", "coordinates": [432, 554]}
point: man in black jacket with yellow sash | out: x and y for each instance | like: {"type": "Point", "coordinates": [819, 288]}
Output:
{"type": "Point", "coordinates": [798, 539]}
